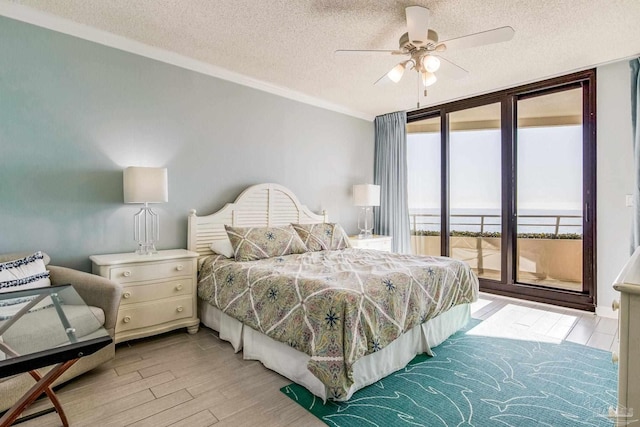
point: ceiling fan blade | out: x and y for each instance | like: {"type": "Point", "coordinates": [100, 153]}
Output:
{"type": "Point", "coordinates": [449, 69]}
{"type": "Point", "coordinates": [497, 35]}
{"type": "Point", "coordinates": [417, 24]}
{"type": "Point", "coordinates": [366, 52]}
{"type": "Point", "coordinates": [383, 81]}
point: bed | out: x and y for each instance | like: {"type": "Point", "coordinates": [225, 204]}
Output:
{"type": "Point", "coordinates": [332, 321]}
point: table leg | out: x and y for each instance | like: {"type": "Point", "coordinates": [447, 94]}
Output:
{"type": "Point", "coordinates": [52, 397]}
{"type": "Point", "coordinates": [42, 386]}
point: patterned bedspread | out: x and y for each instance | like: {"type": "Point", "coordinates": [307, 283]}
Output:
{"type": "Point", "coordinates": [336, 306]}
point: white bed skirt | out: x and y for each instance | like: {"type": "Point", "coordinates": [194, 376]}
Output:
{"type": "Point", "coordinates": [292, 363]}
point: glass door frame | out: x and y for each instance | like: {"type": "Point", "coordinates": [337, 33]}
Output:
{"type": "Point", "coordinates": [508, 285]}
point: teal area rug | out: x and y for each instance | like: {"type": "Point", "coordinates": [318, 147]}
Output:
{"type": "Point", "coordinates": [482, 381]}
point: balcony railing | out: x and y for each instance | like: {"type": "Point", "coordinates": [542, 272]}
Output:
{"type": "Point", "coordinates": [552, 225]}
{"type": "Point", "coordinates": [549, 249]}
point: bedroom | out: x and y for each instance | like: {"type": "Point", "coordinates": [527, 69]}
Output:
{"type": "Point", "coordinates": [79, 112]}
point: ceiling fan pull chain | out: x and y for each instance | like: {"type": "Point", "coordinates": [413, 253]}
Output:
{"type": "Point", "coordinates": [418, 86]}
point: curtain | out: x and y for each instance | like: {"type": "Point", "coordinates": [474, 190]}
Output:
{"type": "Point", "coordinates": [635, 100]}
{"type": "Point", "coordinates": [390, 173]}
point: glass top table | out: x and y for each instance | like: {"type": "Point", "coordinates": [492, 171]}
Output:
{"type": "Point", "coordinates": [41, 327]}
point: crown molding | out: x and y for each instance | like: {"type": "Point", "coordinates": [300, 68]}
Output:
{"type": "Point", "coordinates": [62, 25]}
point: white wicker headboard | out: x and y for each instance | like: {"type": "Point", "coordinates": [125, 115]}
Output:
{"type": "Point", "coordinates": [262, 205]}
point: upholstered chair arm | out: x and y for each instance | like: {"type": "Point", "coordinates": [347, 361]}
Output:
{"type": "Point", "coordinates": [94, 290]}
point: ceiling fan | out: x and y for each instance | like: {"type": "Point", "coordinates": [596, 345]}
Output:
{"type": "Point", "coordinates": [424, 50]}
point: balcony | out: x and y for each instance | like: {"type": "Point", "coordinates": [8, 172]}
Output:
{"type": "Point", "coordinates": [552, 258]}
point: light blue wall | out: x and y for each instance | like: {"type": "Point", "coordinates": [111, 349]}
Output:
{"type": "Point", "coordinates": [74, 113]}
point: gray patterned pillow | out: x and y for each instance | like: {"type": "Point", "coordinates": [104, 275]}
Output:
{"type": "Point", "coordinates": [253, 243]}
{"type": "Point", "coordinates": [323, 236]}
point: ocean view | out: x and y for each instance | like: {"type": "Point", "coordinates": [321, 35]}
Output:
{"type": "Point", "coordinates": [548, 178]}
{"type": "Point", "coordinates": [489, 220]}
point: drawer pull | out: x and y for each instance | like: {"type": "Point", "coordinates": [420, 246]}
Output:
{"type": "Point", "coordinates": [179, 309]}
{"type": "Point", "coordinates": [126, 273]}
{"type": "Point", "coordinates": [126, 319]}
{"type": "Point", "coordinates": [614, 357]}
{"type": "Point", "coordinates": [126, 295]}
{"type": "Point", "coordinates": [615, 305]}
{"type": "Point", "coordinates": [180, 267]}
{"type": "Point", "coordinates": [179, 287]}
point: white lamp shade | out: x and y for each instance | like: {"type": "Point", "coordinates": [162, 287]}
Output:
{"type": "Point", "coordinates": [145, 185]}
{"type": "Point", "coordinates": [431, 63]}
{"type": "Point", "coordinates": [428, 78]}
{"type": "Point", "coordinates": [396, 73]}
{"type": "Point", "coordinates": [366, 195]}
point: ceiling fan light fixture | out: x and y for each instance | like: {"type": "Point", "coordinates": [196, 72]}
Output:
{"type": "Point", "coordinates": [424, 47]}
{"type": "Point", "coordinates": [428, 78]}
{"type": "Point", "coordinates": [431, 63]}
{"type": "Point", "coordinates": [396, 73]}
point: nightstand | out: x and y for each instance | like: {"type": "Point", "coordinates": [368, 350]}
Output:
{"type": "Point", "coordinates": [379, 243]}
{"type": "Point", "coordinates": [159, 291]}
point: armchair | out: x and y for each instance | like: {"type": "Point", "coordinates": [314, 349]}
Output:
{"type": "Point", "coordinates": [101, 294]}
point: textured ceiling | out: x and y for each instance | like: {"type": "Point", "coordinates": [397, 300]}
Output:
{"type": "Point", "coordinates": [290, 43]}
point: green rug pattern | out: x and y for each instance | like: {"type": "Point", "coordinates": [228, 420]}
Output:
{"type": "Point", "coordinates": [482, 381]}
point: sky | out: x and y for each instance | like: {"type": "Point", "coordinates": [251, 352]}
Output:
{"type": "Point", "coordinates": [549, 169]}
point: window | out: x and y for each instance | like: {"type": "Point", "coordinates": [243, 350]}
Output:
{"type": "Point", "coordinates": [549, 189]}
{"type": "Point", "coordinates": [512, 191]}
{"type": "Point", "coordinates": [475, 190]}
{"type": "Point", "coordinates": [423, 160]}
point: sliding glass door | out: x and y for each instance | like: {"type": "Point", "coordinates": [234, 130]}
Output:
{"type": "Point", "coordinates": [475, 195]}
{"type": "Point", "coordinates": [549, 189]}
{"type": "Point", "coordinates": [516, 181]}
{"type": "Point", "coordinates": [424, 189]}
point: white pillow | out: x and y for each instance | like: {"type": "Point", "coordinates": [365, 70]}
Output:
{"type": "Point", "coordinates": [20, 274]}
{"type": "Point", "coordinates": [223, 247]}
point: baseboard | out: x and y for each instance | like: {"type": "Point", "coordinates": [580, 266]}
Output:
{"type": "Point", "coordinates": [604, 311]}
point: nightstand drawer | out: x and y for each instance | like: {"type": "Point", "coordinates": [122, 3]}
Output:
{"type": "Point", "coordinates": [154, 313]}
{"type": "Point", "coordinates": [141, 293]}
{"type": "Point", "coordinates": [151, 271]}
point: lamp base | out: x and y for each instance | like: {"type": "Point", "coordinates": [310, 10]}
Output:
{"type": "Point", "coordinates": [365, 234]}
{"type": "Point", "coordinates": [365, 222]}
{"type": "Point", "coordinates": [146, 249]}
{"type": "Point", "coordinates": [146, 230]}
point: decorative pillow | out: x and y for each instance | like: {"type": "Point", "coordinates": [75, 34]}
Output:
{"type": "Point", "coordinates": [253, 243]}
{"type": "Point", "coordinates": [322, 236]}
{"type": "Point", "coordinates": [20, 274]}
{"type": "Point", "coordinates": [222, 247]}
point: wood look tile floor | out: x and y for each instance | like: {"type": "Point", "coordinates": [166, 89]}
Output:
{"type": "Point", "coordinates": [176, 379]}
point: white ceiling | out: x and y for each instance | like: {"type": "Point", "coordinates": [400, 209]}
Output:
{"type": "Point", "coordinates": [288, 45]}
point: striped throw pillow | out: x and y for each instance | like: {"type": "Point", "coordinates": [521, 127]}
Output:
{"type": "Point", "coordinates": [20, 274]}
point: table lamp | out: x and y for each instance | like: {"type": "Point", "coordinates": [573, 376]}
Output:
{"type": "Point", "coordinates": [366, 196]}
{"type": "Point", "coordinates": [145, 185]}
